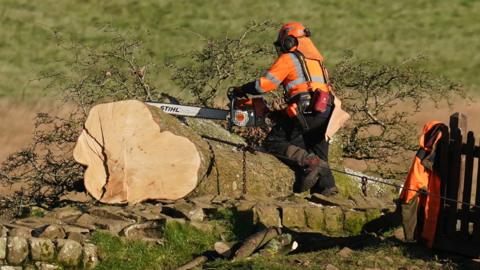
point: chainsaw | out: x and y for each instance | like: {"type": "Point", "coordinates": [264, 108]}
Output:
{"type": "Point", "coordinates": [242, 112]}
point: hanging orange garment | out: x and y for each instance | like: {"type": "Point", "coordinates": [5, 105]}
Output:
{"type": "Point", "coordinates": [423, 177]}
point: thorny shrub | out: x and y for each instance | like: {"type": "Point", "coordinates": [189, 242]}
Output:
{"type": "Point", "coordinates": [382, 99]}
{"type": "Point", "coordinates": [46, 170]}
{"type": "Point", "coordinates": [222, 62]}
{"type": "Point", "coordinates": [116, 69]}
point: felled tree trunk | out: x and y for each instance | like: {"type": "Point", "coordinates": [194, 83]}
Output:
{"type": "Point", "coordinates": [134, 152]}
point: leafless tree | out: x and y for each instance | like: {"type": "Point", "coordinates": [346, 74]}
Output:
{"type": "Point", "coordinates": [382, 99]}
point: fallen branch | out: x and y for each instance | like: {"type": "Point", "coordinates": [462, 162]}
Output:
{"type": "Point", "coordinates": [256, 241]}
{"type": "Point", "coordinates": [198, 261]}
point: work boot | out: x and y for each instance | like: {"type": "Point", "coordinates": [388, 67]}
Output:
{"type": "Point", "coordinates": [310, 164]}
{"type": "Point", "coordinates": [326, 182]}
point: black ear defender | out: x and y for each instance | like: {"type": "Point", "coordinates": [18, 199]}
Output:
{"type": "Point", "coordinates": [288, 43]}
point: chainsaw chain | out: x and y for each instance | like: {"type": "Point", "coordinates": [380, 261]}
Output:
{"type": "Point", "coordinates": [244, 170]}
{"type": "Point", "coordinates": [364, 182]}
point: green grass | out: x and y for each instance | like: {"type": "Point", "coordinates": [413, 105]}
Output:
{"type": "Point", "coordinates": [383, 255]}
{"type": "Point", "coordinates": [182, 243]}
{"type": "Point", "coordinates": [443, 30]}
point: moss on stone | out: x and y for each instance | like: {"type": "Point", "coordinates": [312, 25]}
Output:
{"type": "Point", "coordinates": [293, 217]}
{"type": "Point", "coordinates": [315, 218]}
{"type": "Point", "coordinates": [334, 220]}
{"type": "Point", "coordinates": [346, 185]}
{"type": "Point", "coordinates": [354, 222]}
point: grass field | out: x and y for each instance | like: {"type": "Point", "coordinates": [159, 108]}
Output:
{"type": "Point", "coordinates": [442, 30]}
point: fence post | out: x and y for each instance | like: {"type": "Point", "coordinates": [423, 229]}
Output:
{"type": "Point", "coordinates": [443, 172]}
{"type": "Point", "coordinates": [455, 182]}
{"type": "Point", "coordinates": [467, 188]}
{"type": "Point", "coordinates": [476, 225]}
{"type": "Point", "coordinates": [459, 120]}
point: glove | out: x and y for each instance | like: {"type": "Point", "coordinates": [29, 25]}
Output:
{"type": "Point", "coordinates": [237, 91]}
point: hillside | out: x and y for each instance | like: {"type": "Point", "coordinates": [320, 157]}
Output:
{"type": "Point", "coordinates": [444, 31]}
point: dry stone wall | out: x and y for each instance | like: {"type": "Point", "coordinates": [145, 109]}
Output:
{"type": "Point", "coordinates": [40, 253]}
{"type": "Point", "coordinates": [60, 238]}
{"type": "Point", "coordinates": [330, 216]}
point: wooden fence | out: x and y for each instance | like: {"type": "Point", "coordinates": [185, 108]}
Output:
{"type": "Point", "coordinates": [458, 227]}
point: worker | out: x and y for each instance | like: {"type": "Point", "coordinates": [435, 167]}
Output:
{"type": "Point", "coordinates": [299, 133]}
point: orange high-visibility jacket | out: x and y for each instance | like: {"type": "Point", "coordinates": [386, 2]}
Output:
{"type": "Point", "coordinates": [296, 74]}
{"type": "Point", "coordinates": [422, 176]}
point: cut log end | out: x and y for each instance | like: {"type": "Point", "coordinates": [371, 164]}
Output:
{"type": "Point", "coordinates": [130, 159]}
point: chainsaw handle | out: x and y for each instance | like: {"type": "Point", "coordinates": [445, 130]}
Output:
{"type": "Point", "coordinates": [231, 93]}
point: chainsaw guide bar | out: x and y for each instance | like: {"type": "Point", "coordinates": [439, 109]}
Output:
{"type": "Point", "coordinates": [192, 111]}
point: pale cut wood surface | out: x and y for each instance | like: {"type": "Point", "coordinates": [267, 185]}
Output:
{"type": "Point", "coordinates": [123, 141]}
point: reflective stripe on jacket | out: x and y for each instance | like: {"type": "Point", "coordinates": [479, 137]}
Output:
{"type": "Point", "coordinates": [422, 176]}
{"type": "Point", "coordinates": [289, 71]}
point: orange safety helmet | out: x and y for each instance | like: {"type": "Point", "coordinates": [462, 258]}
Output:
{"type": "Point", "coordinates": [294, 36]}
{"type": "Point", "coordinates": [287, 40]}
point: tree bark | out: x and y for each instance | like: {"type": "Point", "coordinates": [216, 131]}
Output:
{"type": "Point", "coordinates": [134, 152]}
{"type": "Point", "coordinates": [256, 241]}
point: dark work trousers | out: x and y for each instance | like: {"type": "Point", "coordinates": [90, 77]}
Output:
{"type": "Point", "coordinates": [288, 131]}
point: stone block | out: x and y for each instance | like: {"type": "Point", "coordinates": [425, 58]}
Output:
{"type": "Point", "coordinates": [369, 202]}
{"type": "Point", "coordinates": [47, 266]}
{"type": "Point", "coordinates": [70, 252]}
{"type": "Point", "coordinates": [3, 231]}
{"type": "Point", "coordinates": [67, 213]}
{"type": "Point", "coordinates": [204, 202]}
{"type": "Point", "coordinates": [108, 212]}
{"type": "Point", "coordinates": [315, 218]}
{"type": "Point", "coordinates": [38, 222]}
{"type": "Point", "coordinates": [20, 231]}
{"type": "Point", "coordinates": [333, 220]}
{"type": "Point", "coordinates": [245, 205]}
{"type": "Point", "coordinates": [75, 236]}
{"type": "Point", "coordinates": [267, 216]}
{"type": "Point", "coordinates": [142, 213]}
{"type": "Point", "coordinates": [149, 229]}
{"type": "Point", "coordinates": [331, 200]}
{"type": "Point", "coordinates": [9, 267]}
{"type": "Point", "coordinates": [3, 248]}
{"type": "Point", "coordinates": [86, 221]}
{"type": "Point", "coordinates": [114, 226]}
{"type": "Point", "coordinates": [184, 210]}
{"type": "Point", "coordinates": [76, 229]}
{"type": "Point", "coordinates": [42, 249]}
{"type": "Point", "coordinates": [293, 217]}
{"type": "Point", "coordinates": [90, 256]}
{"type": "Point", "coordinates": [17, 250]}
{"type": "Point", "coordinates": [53, 232]}
{"type": "Point", "coordinates": [354, 221]}
{"type": "Point", "coordinates": [360, 201]}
